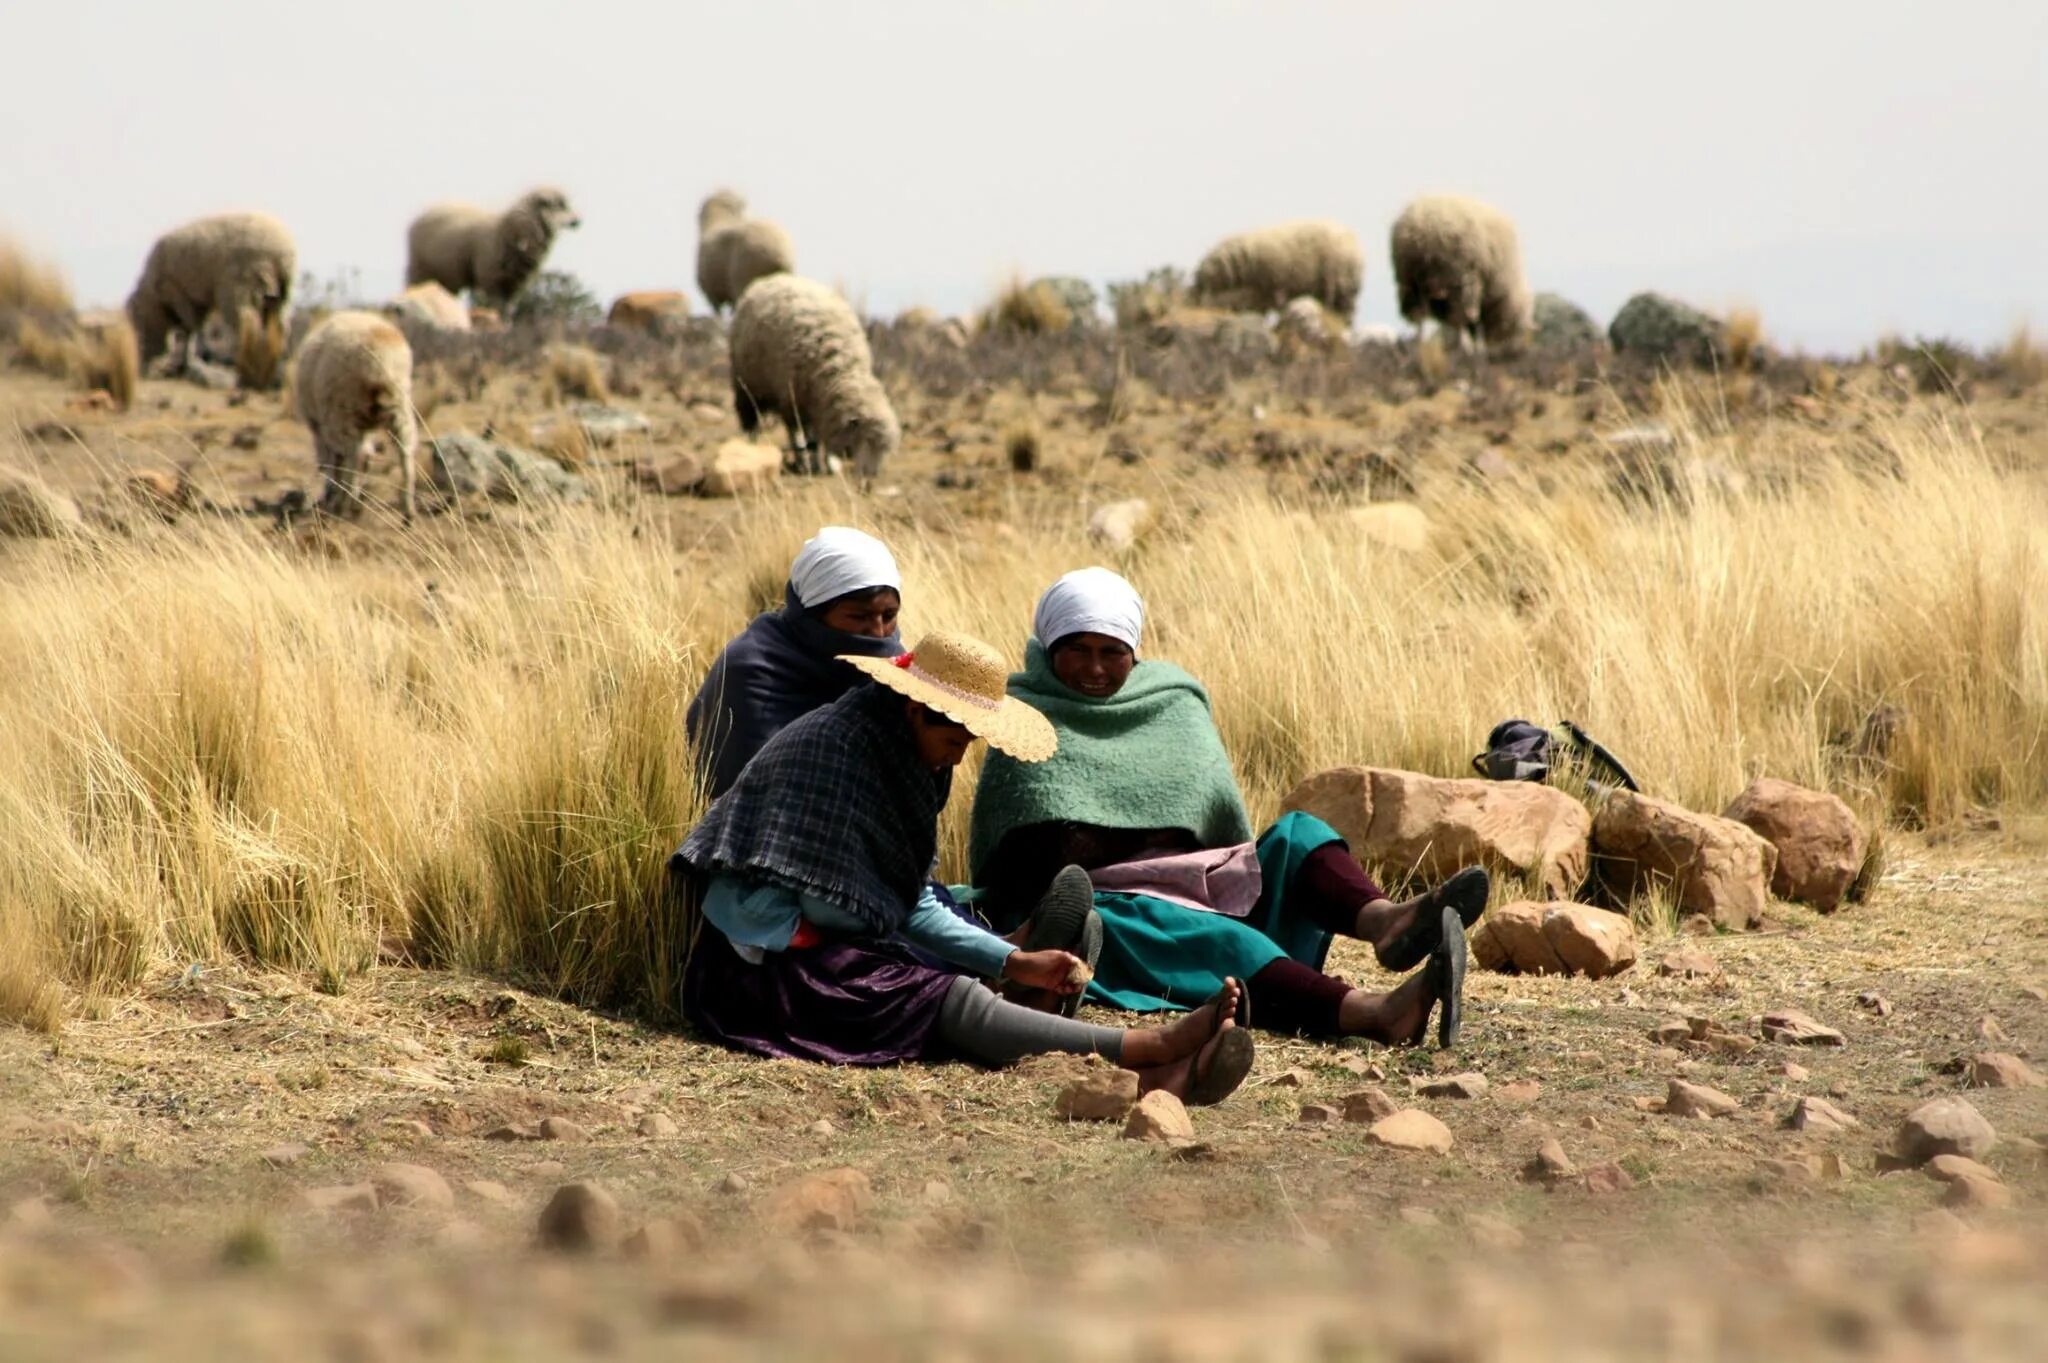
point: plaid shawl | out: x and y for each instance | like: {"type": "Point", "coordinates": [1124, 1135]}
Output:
{"type": "Point", "coordinates": [836, 805]}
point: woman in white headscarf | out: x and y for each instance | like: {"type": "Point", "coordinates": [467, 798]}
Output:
{"type": "Point", "coordinates": [843, 595]}
{"type": "Point", "coordinates": [1141, 796]}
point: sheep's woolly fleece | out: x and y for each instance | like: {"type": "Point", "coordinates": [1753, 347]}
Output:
{"type": "Point", "coordinates": [353, 379]}
{"type": "Point", "coordinates": [734, 250]}
{"type": "Point", "coordinates": [799, 353]}
{"type": "Point", "coordinates": [1262, 270]}
{"type": "Point", "coordinates": [229, 264]}
{"type": "Point", "coordinates": [493, 255]}
{"type": "Point", "coordinates": [1459, 261]}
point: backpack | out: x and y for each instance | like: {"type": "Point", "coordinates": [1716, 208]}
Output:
{"type": "Point", "coordinates": [1517, 750]}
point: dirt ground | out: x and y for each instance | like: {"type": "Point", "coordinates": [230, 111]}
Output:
{"type": "Point", "coordinates": [162, 1162]}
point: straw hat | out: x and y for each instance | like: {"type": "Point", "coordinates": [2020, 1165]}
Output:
{"type": "Point", "coordinates": [964, 680]}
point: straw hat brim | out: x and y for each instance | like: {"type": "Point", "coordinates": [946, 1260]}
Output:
{"type": "Point", "coordinates": [1012, 727]}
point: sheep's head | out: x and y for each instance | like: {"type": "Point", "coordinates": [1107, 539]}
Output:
{"type": "Point", "coordinates": [870, 438]}
{"type": "Point", "coordinates": [550, 208]}
{"type": "Point", "coordinates": [721, 207]}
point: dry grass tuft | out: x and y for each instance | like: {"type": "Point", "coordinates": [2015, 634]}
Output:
{"type": "Point", "coordinates": [576, 374]}
{"type": "Point", "coordinates": [565, 441]}
{"type": "Point", "coordinates": [1028, 309]}
{"type": "Point", "coordinates": [112, 360]}
{"type": "Point", "coordinates": [1742, 336]}
{"type": "Point", "coordinates": [30, 285]}
{"type": "Point", "coordinates": [2023, 359]}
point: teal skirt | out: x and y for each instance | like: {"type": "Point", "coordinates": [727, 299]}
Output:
{"type": "Point", "coordinates": [1158, 955]}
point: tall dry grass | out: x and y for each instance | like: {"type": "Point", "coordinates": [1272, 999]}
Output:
{"type": "Point", "coordinates": [218, 743]}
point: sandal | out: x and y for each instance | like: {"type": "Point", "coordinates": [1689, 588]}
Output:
{"type": "Point", "coordinates": [1065, 920]}
{"type": "Point", "coordinates": [1465, 892]}
{"type": "Point", "coordinates": [1230, 1060]}
{"type": "Point", "coordinates": [1449, 965]}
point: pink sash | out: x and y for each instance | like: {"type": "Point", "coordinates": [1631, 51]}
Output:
{"type": "Point", "coordinates": [1221, 880]}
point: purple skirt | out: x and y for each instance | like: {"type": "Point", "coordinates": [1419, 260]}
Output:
{"type": "Point", "coordinates": [839, 1003]}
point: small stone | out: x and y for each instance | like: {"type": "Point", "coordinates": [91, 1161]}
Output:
{"type": "Point", "coordinates": [1689, 964]}
{"type": "Point", "coordinates": [1471, 1084]}
{"type": "Point", "coordinates": [938, 1193]}
{"type": "Point", "coordinates": [580, 1217]}
{"type": "Point", "coordinates": [1818, 1114]}
{"type": "Point", "coordinates": [1317, 1114]}
{"type": "Point", "coordinates": [1102, 1095]}
{"type": "Point", "coordinates": [1986, 1193]}
{"type": "Point", "coordinates": [1607, 1178]}
{"type": "Point", "coordinates": [411, 1185]}
{"type": "Point", "coordinates": [1989, 1030]}
{"type": "Point", "coordinates": [1671, 1031]}
{"type": "Point", "coordinates": [1795, 1028]}
{"type": "Point", "coordinates": [1411, 1129]}
{"type": "Point", "coordinates": [1550, 1163]}
{"type": "Point", "coordinates": [658, 1125]}
{"type": "Point", "coordinates": [733, 1184]}
{"type": "Point", "coordinates": [2038, 993]}
{"type": "Point", "coordinates": [562, 1129]}
{"type": "Point", "coordinates": [1949, 1168]}
{"type": "Point", "coordinates": [1789, 1069]}
{"type": "Point", "coordinates": [491, 1191]}
{"type": "Point", "coordinates": [1159, 1116]}
{"type": "Point", "coordinates": [835, 1200]}
{"type": "Point", "coordinates": [347, 1197]}
{"type": "Point", "coordinates": [1363, 1068]}
{"type": "Point", "coordinates": [1998, 1070]}
{"type": "Point", "coordinates": [1368, 1105]}
{"type": "Point", "coordinates": [1418, 1216]}
{"type": "Point", "coordinates": [286, 1155]}
{"type": "Point", "coordinates": [1944, 1126]}
{"type": "Point", "coordinates": [1730, 1044]}
{"type": "Point", "coordinates": [1589, 1123]}
{"type": "Point", "coordinates": [822, 1127]}
{"type": "Point", "coordinates": [1520, 1091]}
{"type": "Point", "coordinates": [1874, 1002]}
{"type": "Point", "coordinates": [547, 1170]}
{"type": "Point", "coordinates": [1289, 1079]}
{"type": "Point", "coordinates": [1697, 1100]}
{"type": "Point", "coordinates": [1772, 1173]}
{"type": "Point", "coordinates": [664, 1239]}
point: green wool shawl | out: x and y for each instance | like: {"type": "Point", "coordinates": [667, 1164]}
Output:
{"type": "Point", "coordinates": [1147, 757]}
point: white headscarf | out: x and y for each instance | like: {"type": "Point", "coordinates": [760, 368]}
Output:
{"type": "Point", "coordinates": [1090, 601]}
{"type": "Point", "coordinates": [838, 560]}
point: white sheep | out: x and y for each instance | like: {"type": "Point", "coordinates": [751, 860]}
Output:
{"type": "Point", "coordinates": [1261, 270]}
{"type": "Point", "coordinates": [799, 353]}
{"type": "Point", "coordinates": [493, 255]}
{"type": "Point", "coordinates": [1458, 260]}
{"type": "Point", "coordinates": [353, 379]}
{"type": "Point", "coordinates": [236, 266]}
{"type": "Point", "coordinates": [734, 250]}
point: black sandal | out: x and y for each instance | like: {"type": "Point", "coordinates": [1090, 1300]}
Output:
{"type": "Point", "coordinates": [1065, 920]}
{"type": "Point", "coordinates": [1465, 892]}
{"type": "Point", "coordinates": [1449, 964]}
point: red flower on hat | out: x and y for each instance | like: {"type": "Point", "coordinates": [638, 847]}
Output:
{"type": "Point", "coordinates": [904, 660]}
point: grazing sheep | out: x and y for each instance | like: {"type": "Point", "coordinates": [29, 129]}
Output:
{"type": "Point", "coordinates": [734, 250]}
{"type": "Point", "coordinates": [430, 308]}
{"type": "Point", "coordinates": [354, 379]}
{"type": "Point", "coordinates": [1261, 270]}
{"type": "Point", "coordinates": [798, 352]}
{"type": "Point", "coordinates": [493, 255]}
{"type": "Point", "coordinates": [1458, 260]}
{"type": "Point", "coordinates": [237, 265]}
{"type": "Point", "coordinates": [652, 312]}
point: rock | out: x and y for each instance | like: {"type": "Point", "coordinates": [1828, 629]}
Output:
{"type": "Point", "coordinates": [1949, 1168]}
{"type": "Point", "coordinates": [580, 1217]}
{"type": "Point", "coordinates": [1118, 526]}
{"type": "Point", "coordinates": [1607, 1178]}
{"type": "Point", "coordinates": [1997, 1070]}
{"type": "Point", "coordinates": [822, 1127]}
{"type": "Point", "coordinates": [1988, 1029]}
{"type": "Point", "coordinates": [1944, 1126]}
{"type": "Point", "coordinates": [733, 1184]}
{"type": "Point", "coordinates": [673, 476]}
{"type": "Point", "coordinates": [1550, 1164]}
{"type": "Point", "coordinates": [1986, 1193]}
{"type": "Point", "coordinates": [1796, 1171]}
{"type": "Point", "coordinates": [346, 1197]}
{"type": "Point", "coordinates": [1665, 330]}
{"type": "Point", "coordinates": [1494, 1232]}
{"type": "Point", "coordinates": [1563, 325]}
{"type": "Point", "coordinates": [740, 468]}
{"type": "Point", "coordinates": [1671, 1031]}
{"type": "Point", "coordinates": [411, 1185]}
{"type": "Point", "coordinates": [562, 1129]}
{"type": "Point", "coordinates": [1368, 1105]}
{"type": "Point", "coordinates": [491, 1191]}
{"type": "Point", "coordinates": [1363, 1068]}
{"type": "Point", "coordinates": [658, 1125]}
{"type": "Point", "coordinates": [1792, 1027]}
{"type": "Point", "coordinates": [1591, 942]}
{"type": "Point", "coordinates": [31, 509]}
{"type": "Point", "coordinates": [1788, 1069]}
{"type": "Point", "coordinates": [1159, 1116]}
{"type": "Point", "coordinates": [664, 1239]}
{"type": "Point", "coordinates": [1306, 325]}
{"type": "Point", "coordinates": [1467, 1085]}
{"type": "Point", "coordinates": [1510, 939]}
{"type": "Point", "coordinates": [1689, 964]}
{"type": "Point", "coordinates": [547, 1170]}
{"type": "Point", "coordinates": [1818, 1114]}
{"type": "Point", "coordinates": [1720, 869]}
{"type": "Point", "coordinates": [429, 307]}
{"type": "Point", "coordinates": [1729, 1043]}
{"type": "Point", "coordinates": [1101, 1095]}
{"type": "Point", "coordinates": [469, 466]}
{"type": "Point", "coordinates": [1697, 1100]}
{"type": "Point", "coordinates": [1874, 1002]}
{"type": "Point", "coordinates": [1522, 1091]}
{"type": "Point", "coordinates": [286, 1155]}
{"type": "Point", "coordinates": [1317, 1114]}
{"type": "Point", "coordinates": [1819, 840]}
{"type": "Point", "coordinates": [1289, 1079]}
{"type": "Point", "coordinates": [1411, 1129]}
{"type": "Point", "coordinates": [651, 312]}
{"type": "Point", "coordinates": [604, 426]}
{"type": "Point", "coordinates": [1392, 525]}
{"type": "Point", "coordinates": [1433, 827]}
{"type": "Point", "coordinates": [836, 1200]}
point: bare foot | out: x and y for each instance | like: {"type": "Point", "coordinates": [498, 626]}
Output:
{"type": "Point", "coordinates": [1180, 1077]}
{"type": "Point", "coordinates": [1399, 1018]}
{"type": "Point", "coordinates": [1383, 921]}
{"type": "Point", "coordinates": [1147, 1047]}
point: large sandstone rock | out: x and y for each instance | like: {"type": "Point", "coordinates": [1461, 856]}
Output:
{"type": "Point", "coordinates": [1820, 843]}
{"type": "Point", "coordinates": [1664, 329]}
{"type": "Point", "coordinates": [1719, 869]}
{"type": "Point", "coordinates": [1528, 938]}
{"type": "Point", "coordinates": [465, 465]}
{"type": "Point", "coordinates": [1429, 826]}
{"type": "Point", "coordinates": [1944, 1126]}
{"type": "Point", "coordinates": [740, 468]}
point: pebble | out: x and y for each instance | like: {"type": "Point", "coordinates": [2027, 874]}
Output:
{"type": "Point", "coordinates": [1159, 1116]}
{"type": "Point", "coordinates": [580, 1217]}
{"type": "Point", "coordinates": [1411, 1129]}
{"type": "Point", "coordinates": [1102, 1095]}
{"type": "Point", "coordinates": [1689, 964]}
{"type": "Point", "coordinates": [658, 1124]}
{"type": "Point", "coordinates": [1520, 1091]}
{"type": "Point", "coordinates": [1944, 1126]}
{"type": "Point", "coordinates": [346, 1197]}
{"type": "Point", "coordinates": [1318, 1114]}
{"type": "Point", "coordinates": [1363, 1068]}
{"type": "Point", "coordinates": [663, 1239]}
{"type": "Point", "coordinates": [1792, 1027]}
{"type": "Point", "coordinates": [733, 1184]}
{"type": "Point", "coordinates": [1792, 1070]}
{"type": "Point", "coordinates": [835, 1200]}
{"type": "Point", "coordinates": [286, 1155]}
{"type": "Point", "coordinates": [822, 1127]}
{"type": "Point", "coordinates": [411, 1185]}
{"type": "Point", "coordinates": [1697, 1100]}
{"type": "Point", "coordinates": [1550, 1163]}
{"type": "Point", "coordinates": [1949, 1168]}
{"type": "Point", "coordinates": [1289, 1079]}
{"type": "Point", "coordinates": [1607, 1178]}
{"type": "Point", "coordinates": [1494, 1232]}
{"type": "Point", "coordinates": [1818, 1114]}
{"type": "Point", "coordinates": [1368, 1105]}
{"type": "Point", "coordinates": [1468, 1085]}
{"type": "Point", "coordinates": [1998, 1070]}
{"type": "Point", "coordinates": [1875, 1002]}
{"type": "Point", "coordinates": [562, 1129]}
{"type": "Point", "coordinates": [1671, 1031]}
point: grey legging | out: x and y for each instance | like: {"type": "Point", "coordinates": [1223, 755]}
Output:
{"type": "Point", "coordinates": [978, 1024]}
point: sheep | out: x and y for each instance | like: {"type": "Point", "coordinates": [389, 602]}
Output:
{"type": "Point", "coordinates": [1458, 260]}
{"type": "Point", "coordinates": [798, 352]}
{"type": "Point", "coordinates": [353, 379]}
{"type": "Point", "coordinates": [1261, 270]}
{"type": "Point", "coordinates": [493, 255]}
{"type": "Point", "coordinates": [239, 266]}
{"type": "Point", "coordinates": [734, 250]}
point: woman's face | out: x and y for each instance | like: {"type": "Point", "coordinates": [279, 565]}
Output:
{"type": "Point", "coordinates": [941, 743]}
{"type": "Point", "coordinates": [873, 614]}
{"type": "Point", "coordinates": [1093, 664]}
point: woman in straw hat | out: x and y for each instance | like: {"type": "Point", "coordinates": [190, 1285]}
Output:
{"type": "Point", "coordinates": [811, 874]}
{"type": "Point", "coordinates": [1141, 794]}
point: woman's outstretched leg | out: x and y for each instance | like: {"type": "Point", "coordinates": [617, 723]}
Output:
{"type": "Point", "coordinates": [1337, 895]}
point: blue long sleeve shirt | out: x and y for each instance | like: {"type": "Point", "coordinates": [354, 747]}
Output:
{"type": "Point", "coordinates": [757, 916]}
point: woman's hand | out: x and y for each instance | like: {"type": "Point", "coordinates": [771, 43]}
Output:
{"type": "Point", "coordinates": [1058, 972]}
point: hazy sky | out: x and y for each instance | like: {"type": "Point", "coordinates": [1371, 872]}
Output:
{"type": "Point", "coordinates": [1846, 167]}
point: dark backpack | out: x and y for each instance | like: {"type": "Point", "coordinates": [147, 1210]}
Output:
{"type": "Point", "coordinates": [1517, 750]}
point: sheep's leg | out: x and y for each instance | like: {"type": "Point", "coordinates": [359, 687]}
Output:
{"type": "Point", "coordinates": [403, 435]}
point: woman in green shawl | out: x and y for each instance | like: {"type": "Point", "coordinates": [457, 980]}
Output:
{"type": "Point", "coordinates": [1142, 797]}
